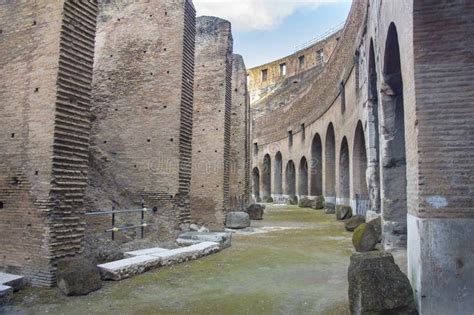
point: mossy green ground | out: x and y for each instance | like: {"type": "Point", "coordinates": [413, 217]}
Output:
{"type": "Point", "coordinates": [302, 270]}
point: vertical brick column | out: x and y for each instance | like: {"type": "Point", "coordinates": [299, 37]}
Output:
{"type": "Point", "coordinates": [212, 122]}
{"type": "Point", "coordinates": [47, 53]}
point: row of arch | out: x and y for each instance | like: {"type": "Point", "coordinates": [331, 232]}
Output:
{"type": "Point", "coordinates": [310, 174]}
{"type": "Point", "coordinates": [383, 178]}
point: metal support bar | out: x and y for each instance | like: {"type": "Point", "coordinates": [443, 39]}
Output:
{"type": "Point", "coordinates": [116, 211]}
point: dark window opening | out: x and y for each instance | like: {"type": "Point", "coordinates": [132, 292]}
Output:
{"type": "Point", "coordinates": [290, 137]}
{"type": "Point", "coordinates": [1, 204]}
{"type": "Point", "coordinates": [342, 90]}
{"type": "Point", "coordinates": [303, 131]}
{"type": "Point", "coordinates": [301, 62]}
{"type": "Point", "coordinates": [264, 75]}
{"type": "Point", "coordinates": [255, 148]}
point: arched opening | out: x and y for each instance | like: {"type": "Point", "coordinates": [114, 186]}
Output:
{"type": "Point", "coordinates": [344, 174]}
{"type": "Point", "coordinates": [303, 177]}
{"type": "Point", "coordinates": [393, 157]}
{"type": "Point", "coordinates": [359, 168]}
{"type": "Point", "coordinates": [290, 179]}
{"type": "Point", "coordinates": [373, 130]}
{"type": "Point", "coordinates": [278, 189]}
{"type": "Point", "coordinates": [316, 179]}
{"type": "Point", "coordinates": [256, 184]}
{"type": "Point", "coordinates": [267, 177]}
{"type": "Point", "coordinates": [330, 166]}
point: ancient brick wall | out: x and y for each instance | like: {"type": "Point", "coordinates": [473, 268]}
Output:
{"type": "Point", "coordinates": [142, 113]}
{"type": "Point", "coordinates": [239, 138]}
{"type": "Point", "coordinates": [47, 51]}
{"type": "Point", "coordinates": [212, 119]}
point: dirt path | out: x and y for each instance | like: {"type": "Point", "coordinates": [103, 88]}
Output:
{"type": "Point", "coordinates": [301, 269]}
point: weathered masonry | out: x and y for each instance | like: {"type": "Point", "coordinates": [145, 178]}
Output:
{"type": "Point", "coordinates": [386, 126]}
{"type": "Point", "coordinates": [239, 159]}
{"type": "Point", "coordinates": [47, 50]}
{"type": "Point", "coordinates": [142, 112]}
{"type": "Point", "coordinates": [212, 122]}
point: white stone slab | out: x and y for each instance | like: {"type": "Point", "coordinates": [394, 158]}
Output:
{"type": "Point", "coordinates": [148, 251]}
{"type": "Point", "coordinates": [128, 267]}
{"type": "Point", "coordinates": [14, 281]}
{"type": "Point", "coordinates": [192, 252]}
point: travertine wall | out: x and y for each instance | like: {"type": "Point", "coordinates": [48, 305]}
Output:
{"type": "Point", "coordinates": [47, 50]}
{"type": "Point", "coordinates": [406, 71]}
{"type": "Point", "coordinates": [212, 119]}
{"type": "Point", "coordinates": [142, 113]}
{"type": "Point", "coordinates": [239, 138]}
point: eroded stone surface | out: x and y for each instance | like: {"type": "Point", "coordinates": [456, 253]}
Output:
{"type": "Point", "coordinates": [6, 294]}
{"type": "Point", "coordinates": [237, 220]}
{"type": "Point", "coordinates": [192, 238]}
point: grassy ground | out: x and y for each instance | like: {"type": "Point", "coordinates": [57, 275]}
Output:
{"type": "Point", "coordinates": [302, 270]}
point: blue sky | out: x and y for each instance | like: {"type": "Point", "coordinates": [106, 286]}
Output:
{"type": "Point", "coordinates": [265, 30]}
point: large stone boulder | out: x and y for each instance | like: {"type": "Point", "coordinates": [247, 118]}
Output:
{"type": "Point", "coordinates": [352, 223]}
{"type": "Point", "coordinates": [377, 224]}
{"type": "Point", "coordinates": [378, 286]}
{"type": "Point", "coordinates": [343, 212]}
{"type": "Point", "coordinates": [78, 276]}
{"type": "Point", "coordinates": [318, 203]}
{"type": "Point", "coordinates": [268, 199]}
{"type": "Point", "coordinates": [237, 220]}
{"type": "Point", "coordinates": [364, 238]}
{"type": "Point", "coordinates": [293, 200]}
{"type": "Point", "coordinates": [256, 211]}
{"type": "Point", "coordinates": [329, 208]}
{"type": "Point", "coordinates": [305, 203]}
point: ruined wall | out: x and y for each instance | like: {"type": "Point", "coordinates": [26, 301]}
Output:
{"type": "Point", "coordinates": [259, 88]}
{"type": "Point", "coordinates": [142, 113]}
{"type": "Point", "coordinates": [47, 53]}
{"type": "Point", "coordinates": [212, 119]}
{"type": "Point", "coordinates": [239, 137]}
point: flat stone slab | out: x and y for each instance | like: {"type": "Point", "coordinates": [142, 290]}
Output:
{"type": "Point", "coordinates": [154, 258]}
{"type": "Point", "coordinates": [6, 294]}
{"type": "Point", "coordinates": [148, 251]}
{"type": "Point", "coordinates": [128, 267]}
{"type": "Point", "coordinates": [14, 281]}
{"type": "Point", "coordinates": [191, 238]}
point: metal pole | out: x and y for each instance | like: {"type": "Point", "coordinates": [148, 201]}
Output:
{"type": "Point", "coordinates": [113, 222]}
{"type": "Point", "coordinates": [143, 217]}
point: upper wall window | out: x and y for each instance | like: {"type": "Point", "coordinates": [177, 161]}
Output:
{"type": "Point", "coordinates": [282, 69]}
{"type": "Point", "coordinates": [264, 75]}
{"type": "Point", "coordinates": [255, 148]}
{"type": "Point", "coordinates": [320, 56]}
{"type": "Point", "coordinates": [290, 137]}
{"type": "Point", "coordinates": [301, 61]}
{"type": "Point", "coordinates": [303, 131]}
{"type": "Point", "coordinates": [342, 90]}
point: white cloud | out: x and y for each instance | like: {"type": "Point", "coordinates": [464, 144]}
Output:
{"type": "Point", "coordinates": [248, 15]}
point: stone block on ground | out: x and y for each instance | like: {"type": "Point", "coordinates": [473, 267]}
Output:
{"type": "Point", "coordinates": [364, 238]}
{"type": "Point", "coordinates": [128, 267]}
{"type": "Point", "coordinates": [377, 224]}
{"type": "Point", "coordinates": [14, 281]}
{"type": "Point", "coordinates": [147, 251]}
{"type": "Point", "coordinates": [318, 203]}
{"type": "Point", "coordinates": [329, 208]}
{"type": "Point", "coordinates": [224, 239]}
{"type": "Point", "coordinates": [6, 294]}
{"type": "Point", "coordinates": [256, 211]}
{"type": "Point", "coordinates": [293, 200]}
{"type": "Point", "coordinates": [268, 199]}
{"type": "Point", "coordinates": [343, 212]}
{"type": "Point", "coordinates": [78, 276]}
{"type": "Point", "coordinates": [237, 220]}
{"type": "Point", "coordinates": [305, 203]}
{"type": "Point", "coordinates": [179, 255]}
{"type": "Point", "coordinates": [378, 286]}
{"type": "Point", "coordinates": [352, 223]}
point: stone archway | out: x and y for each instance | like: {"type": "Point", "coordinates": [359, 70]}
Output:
{"type": "Point", "coordinates": [278, 176]}
{"type": "Point", "coordinates": [267, 177]}
{"type": "Point", "coordinates": [330, 166]}
{"type": "Point", "coordinates": [344, 174]}
{"type": "Point", "coordinates": [316, 178]}
{"type": "Point", "coordinates": [303, 178]}
{"type": "Point", "coordinates": [290, 179]}
{"type": "Point", "coordinates": [393, 155]}
{"type": "Point", "coordinates": [360, 196]}
{"type": "Point", "coordinates": [256, 184]}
